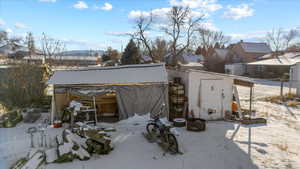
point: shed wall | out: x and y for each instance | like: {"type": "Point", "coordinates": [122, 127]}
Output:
{"type": "Point", "coordinates": [195, 94]}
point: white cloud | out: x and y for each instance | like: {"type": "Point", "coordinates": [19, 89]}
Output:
{"type": "Point", "coordinates": [2, 23]}
{"type": "Point", "coordinates": [8, 30]}
{"type": "Point", "coordinates": [80, 5]}
{"type": "Point", "coordinates": [20, 26]}
{"type": "Point", "coordinates": [107, 6]}
{"type": "Point", "coordinates": [238, 12]}
{"type": "Point", "coordinates": [159, 14]}
{"type": "Point", "coordinates": [119, 33]}
{"type": "Point", "coordinates": [206, 5]}
{"type": "Point", "coordinates": [210, 26]}
{"type": "Point", "coordinates": [48, 1]}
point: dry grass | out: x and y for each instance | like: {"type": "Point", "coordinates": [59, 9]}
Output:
{"type": "Point", "coordinates": [282, 147]}
{"type": "Point", "coordinates": [293, 103]}
{"type": "Point", "coordinates": [290, 99]}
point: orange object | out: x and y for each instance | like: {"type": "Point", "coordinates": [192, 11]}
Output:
{"type": "Point", "coordinates": [234, 107]}
{"type": "Point", "coordinates": [57, 124]}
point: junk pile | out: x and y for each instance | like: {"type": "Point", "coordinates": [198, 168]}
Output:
{"type": "Point", "coordinates": [10, 119]}
{"type": "Point", "coordinates": [67, 147]}
{"type": "Point", "coordinates": [31, 115]}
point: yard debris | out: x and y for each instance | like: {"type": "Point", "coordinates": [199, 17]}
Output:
{"type": "Point", "coordinates": [196, 124]}
{"type": "Point", "coordinates": [32, 115]}
{"type": "Point", "coordinates": [253, 121]}
{"type": "Point", "coordinates": [34, 160]}
{"type": "Point", "coordinates": [51, 155]}
{"type": "Point", "coordinates": [11, 119]}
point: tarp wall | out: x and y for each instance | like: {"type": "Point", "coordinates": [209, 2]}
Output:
{"type": "Point", "coordinates": [131, 99]}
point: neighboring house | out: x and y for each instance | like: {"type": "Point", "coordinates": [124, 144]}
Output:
{"type": "Point", "coordinates": [13, 51]}
{"type": "Point", "coordinates": [69, 58]}
{"type": "Point", "coordinates": [65, 60]}
{"type": "Point", "coordinates": [245, 52]}
{"type": "Point", "coordinates": [274, 67]}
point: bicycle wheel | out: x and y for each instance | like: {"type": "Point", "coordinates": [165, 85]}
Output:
{"type": "Point", "coordinates": [173, 145]}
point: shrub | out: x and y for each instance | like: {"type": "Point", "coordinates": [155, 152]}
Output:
{"type": "Point", "coordinates": [23, 85]}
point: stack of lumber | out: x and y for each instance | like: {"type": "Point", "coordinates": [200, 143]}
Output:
{"type": "Point", "coordinates": [34, 160]}
{"type": "Point", "coordinates": [70, 147]}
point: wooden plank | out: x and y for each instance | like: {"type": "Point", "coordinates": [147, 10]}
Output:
{"type": "Point", "coordinates": [243, 83]}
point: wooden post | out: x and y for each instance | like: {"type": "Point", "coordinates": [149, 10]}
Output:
{"type": "Point", "coordinates": [53, 106]}
{"type": "Point", "coordinates": [281, 89]}
{"type": "Point", "coordinates": [95, 110]}
{"type": "Point", "coordinates": [249, 132]}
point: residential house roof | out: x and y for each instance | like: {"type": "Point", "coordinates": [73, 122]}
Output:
{"type": "Point", "coordinates": [129, 74]}
{"type": "Point", "coordinates": [82, 58]}
{"type": "Point", "coordinates": [251, 47]}
{"type": "Point", "coordinates": [286, 59]}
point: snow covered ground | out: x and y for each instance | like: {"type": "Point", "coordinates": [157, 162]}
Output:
{"type": "Point", "coordinates": [219, 147]}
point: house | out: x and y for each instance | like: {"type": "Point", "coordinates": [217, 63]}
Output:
{"type": "Point", "coordinates": [245, 52]}
{"type": "Point", "coordinates": [274, 67]}
{"type": "Point", "coordinates": [295, 77]}
{"type": "Point", "coordinates": [13, 51]}
{"type": "Point", "coordinates": [68, 58]}
{"type": "Point", "coordinates": [113, 92]}
{"type": "Point", "coordinates": [209, 94]}
{"type": "Point", "coordinates": [64, 60]}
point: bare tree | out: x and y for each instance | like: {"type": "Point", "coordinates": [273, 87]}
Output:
{"type": "Point", "coordinates": [279, 40]}
{"type": "Point", "coordinates": [208, 40]}
{"type": "Point", "coordinates": [51, 47]}
{"type": "Point", "coordinates": [30, 44]}
{"type": "Point", "coordinates": [159, 49]}
{"type": "Point", "coordinates": [180, 28]}
{"type": "Point", "coordinates": [143, 24]}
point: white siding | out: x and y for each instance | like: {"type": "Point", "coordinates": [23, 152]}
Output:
{"type": "Point", "coordinates": [221, 83]}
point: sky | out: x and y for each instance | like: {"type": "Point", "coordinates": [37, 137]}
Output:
{"type": "Point", "coordinates": [98, 24]}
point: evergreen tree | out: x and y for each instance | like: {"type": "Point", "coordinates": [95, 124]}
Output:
{"type": "Point", "coordinates": [30, 44]}
{"type": "Point", "coordinates": [131, 54]}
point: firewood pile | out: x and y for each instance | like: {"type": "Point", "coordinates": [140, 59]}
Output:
{"type": "Point", "coordinates": [68, 147]}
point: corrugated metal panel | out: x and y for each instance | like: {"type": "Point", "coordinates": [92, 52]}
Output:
{"type": "Point", "coordinates": [150, 73]}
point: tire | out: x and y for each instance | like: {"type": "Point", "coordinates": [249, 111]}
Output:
{"type": "Point", "coordinates": [179, 122]}
{"type": "Point", "coordinates": [173, 144]}
{"type": "Point", "coordinates": [152, 127]}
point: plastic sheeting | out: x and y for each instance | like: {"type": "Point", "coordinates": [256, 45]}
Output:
{"type": "Point", "coordinates": [131, 99]}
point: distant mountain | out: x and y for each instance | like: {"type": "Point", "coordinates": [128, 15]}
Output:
{"type": "Point", "coordinates": [82, 52]}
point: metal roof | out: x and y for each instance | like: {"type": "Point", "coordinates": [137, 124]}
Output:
{"type": "Point", "coordinates": [143, 73]}
{"type": "Point", "coordinates": [251, 47]}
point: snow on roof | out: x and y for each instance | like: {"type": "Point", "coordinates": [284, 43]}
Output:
{"type": "Point", "coordinates": [252, 47]}
{"type": "Point", "coordinates": [144, 73]}
{"type": "Point", "coordinates": [192, 64]}
{"type": "Point", "coordinates": [282, 60]}
{"type": "Point", "coordinates": [193, 58]}
{"type": "Point", "coordinates": [40, 57]}
{"type": "Point", "coordinates": [9, 48]}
